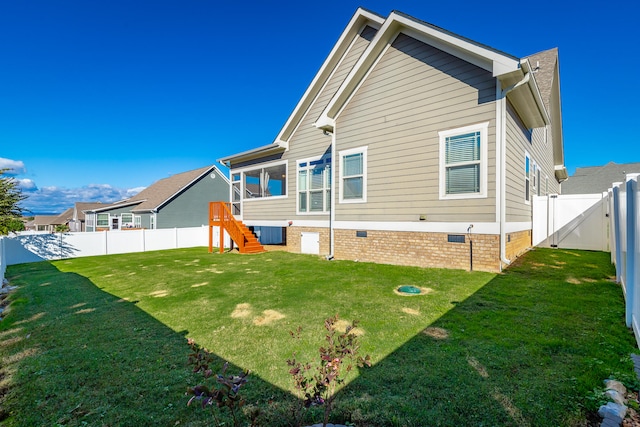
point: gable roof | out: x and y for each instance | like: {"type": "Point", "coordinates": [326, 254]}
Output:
{"type": "Point", "coordinates": [511, 71]}
{"type": "Point", "coordinates": [82, 207]}
{"type": "Point", "coordinates": [161, 192]}
{"type": "Point", "coordinates": [546, 72]}
{"type": "Point", "coordinates": [47, 220]}
{"type": "Point", "coordinates": [598, 179]}
{"type": "Point", "coordinates": [514, 74]}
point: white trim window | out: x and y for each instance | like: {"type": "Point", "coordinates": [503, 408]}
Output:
{"type": "Point", "coordinates": [137, 221]}
{"type": "Point", "coordinates": [538, 181]}
{"type": "Point", "coordinates": [353, 175]}
{"type": "Point", "coordinates": [527, 178]}
{"type": "Point", "coordinates": [314, 185]}
{"type": "Point", "coordinates": [463, 162]}
{"type": "Point", "coordinates": [102, 221]}
{"type": "Point", "coordinates": [126, 220]}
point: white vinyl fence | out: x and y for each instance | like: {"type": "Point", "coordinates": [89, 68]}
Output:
{"type": "Point", "coordinates": [625, 245]}
{"type": "Point", "coordinates": [32, 247]}
{"type": "Point", "coordinates": [603, 222]}
{"type": "Point", "coordinates": [574, 221]}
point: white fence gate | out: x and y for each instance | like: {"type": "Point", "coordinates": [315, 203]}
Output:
{"type": "Point", "coordinates": [577, 221]}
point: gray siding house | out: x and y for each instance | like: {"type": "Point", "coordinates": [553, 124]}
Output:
{"type": "Point", "coordinates": [598, 179]}
{"type": "Point", "coordinates": [409, 143]}
{"type": "Point", "coordinates": [181, 200]}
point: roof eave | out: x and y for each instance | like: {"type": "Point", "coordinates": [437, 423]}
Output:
{"type": "Point", "coordinates": [167, 200]}
{"type": "Point", "coordinates": [253, 154]}
{"type": "Point", "coordinates": [526, 98]}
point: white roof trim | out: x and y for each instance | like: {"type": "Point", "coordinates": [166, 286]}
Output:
{"type": "Point", "coordinates": [361, 18]}
{"type": "Point", "coordinates": [484, 57]}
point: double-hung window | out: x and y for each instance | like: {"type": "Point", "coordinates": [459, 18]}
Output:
{"type": "Point", "coordinates": [126, 220]}
{"type": "Point", "coordinates": [353, 175]}
{"type": "Point", "coordinates": [103, 220]}
{"type": "Point", "coordinates": [314, 185]}
{"type": "Point", "coordinates": [463, 162]}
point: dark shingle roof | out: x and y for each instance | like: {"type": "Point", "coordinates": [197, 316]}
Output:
{"type": "Point", "coordinates": [160, 192]}
{"type": "Point", "coordinates": [81, 207]}
{"type": "Point", "coordinates": [597, 179]}
{"type": "Point", "coordinates": [544, 64]}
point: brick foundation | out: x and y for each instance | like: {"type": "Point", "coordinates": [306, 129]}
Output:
{"type": "Point", "coordinates": [294, 236]}
{"type": "Point", "coordinates": [517, 244]}
{"type": "Point", "coordinates": [418, 249]}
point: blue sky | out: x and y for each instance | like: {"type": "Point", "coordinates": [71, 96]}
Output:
{"type": "Point", "coordinates": [101, 99]}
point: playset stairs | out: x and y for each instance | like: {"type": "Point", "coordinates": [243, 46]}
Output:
{"type": "Point", "coordinates": [220, 216]}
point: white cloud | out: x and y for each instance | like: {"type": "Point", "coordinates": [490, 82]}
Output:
{"type": "Point", "coordinates": [26, 185]}
{"type": "Point", "coordinates": [15, 167]}
{"type": "Point", "coordinates": [58, 199]}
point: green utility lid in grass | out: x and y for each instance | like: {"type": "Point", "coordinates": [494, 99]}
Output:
{"type": "Point", "coordinates": [407, 289]}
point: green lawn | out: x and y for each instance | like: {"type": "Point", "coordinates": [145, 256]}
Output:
{"type": "Point", "coordinates": [102, 340]}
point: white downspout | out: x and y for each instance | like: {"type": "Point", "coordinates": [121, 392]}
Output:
{"type": "Point", "coordinates": [501, 160]}
{"type": "Point", "coordinates": [500, 170]}
{"type": "Point", "coordinates": [332, 209]}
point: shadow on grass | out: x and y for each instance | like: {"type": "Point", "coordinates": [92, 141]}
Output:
{"type": "Point", "coordinates": [525, 350]}
{"type": "Point", "coordinates": [75, 355]}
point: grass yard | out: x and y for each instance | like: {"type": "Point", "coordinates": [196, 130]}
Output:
{"type": "Point", "coordinates": [102, 340]}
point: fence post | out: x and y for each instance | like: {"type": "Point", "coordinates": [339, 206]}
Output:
{"type": "Point", "coordinates": [616, 230]}
{"type": "Point", "coordinates": [632, 303]}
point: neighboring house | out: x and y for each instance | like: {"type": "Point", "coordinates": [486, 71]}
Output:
{"type": "Point", "coordinates": [409, 142]}
{"type": "Point", "coordinates": [77, 222]}
{"type": "Point", "coordinates": [50, 222]}
{"type": "Point", "coordinates": [182, 200]}
{"type": "Point", "coordinates": [598, 179]}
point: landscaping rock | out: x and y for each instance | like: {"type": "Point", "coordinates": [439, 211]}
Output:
{"type": "Point", "coordinates": [612, 408]}
{"type": "Point", "coordinates": [615, 385]}
{"type": "Point", "coordinates": [7, 289]}
{"type": "Point", "coordinates": [616, 397]}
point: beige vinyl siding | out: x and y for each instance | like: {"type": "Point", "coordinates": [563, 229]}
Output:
{"type": "Point", "coordinates": [307, 141]}
{"type": "Point", "coordinates": [412, 93]}
{"type": "Point", "coordinates": [540, 151]}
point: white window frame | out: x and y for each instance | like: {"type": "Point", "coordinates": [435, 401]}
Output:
{"type": "Point", "coordinates": [243, 172]}
{"type": "Point", "coordinates": [137, 221]}
{"type": "Point", "coordinates": [341, 155]}
{"type": "Point", "coordinates": [108, 224]}
{"type": "Point", "coordinates": [126, 224]}
{"type": "Point", "coordinates": [534, 178]}
{"type": "Point", "coordinates": [527, 178]}
{"type": "Point", "coordinates": [483, 128]}
{"type": "Point", "coordinates": [326, 190]}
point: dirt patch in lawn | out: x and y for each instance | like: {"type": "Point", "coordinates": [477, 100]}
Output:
{"type": "Point", "coordinates": [241, 310]}
{"type": "Point", "coordinates": [436, 333]}
{"type": "Point", "coordinates": [268, 316]}
{"type": "Point", "coordinates": [341, 326]}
